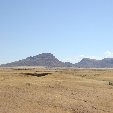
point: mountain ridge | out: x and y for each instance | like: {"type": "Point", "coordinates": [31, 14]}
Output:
{"type": "Point", "coordinates": [49, 60]}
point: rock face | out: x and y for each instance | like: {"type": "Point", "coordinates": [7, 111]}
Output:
{"type": "Point", "coordinates": [44, 59]}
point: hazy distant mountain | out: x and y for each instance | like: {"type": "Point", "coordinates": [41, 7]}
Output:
{"type": "Point", "coordinates": [48, 59]}
{"type": "Point", "coordinates": [68, 64]}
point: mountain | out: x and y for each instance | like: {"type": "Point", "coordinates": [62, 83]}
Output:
{"type": "Point", "coordinates": [93, 63]}
{"type": "Point", "coordinates": [44, 59]}
{"type": "Point", "coordinates": [49, 60]}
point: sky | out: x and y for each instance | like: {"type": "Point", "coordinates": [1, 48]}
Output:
{"type": "Point", "coordinates": [69, 29]}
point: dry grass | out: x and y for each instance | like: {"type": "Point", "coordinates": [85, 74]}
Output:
{"type": "Point", "coordinates": [59, 91]}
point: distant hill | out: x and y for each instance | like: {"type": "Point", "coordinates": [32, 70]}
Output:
{"type": "Point", "coordinates": [49, 60]}
{"type": "Point", "coordinates": [93, 63]}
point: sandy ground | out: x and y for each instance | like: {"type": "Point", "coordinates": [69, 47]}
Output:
{"type": "Point", "coordinates": [61, 91]}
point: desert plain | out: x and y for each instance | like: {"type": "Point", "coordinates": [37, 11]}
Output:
{"type": "Point", "coordinates": [56, 90]}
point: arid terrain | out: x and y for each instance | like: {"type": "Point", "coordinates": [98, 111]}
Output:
{"type": "Point", "coordinates": [56, 90]}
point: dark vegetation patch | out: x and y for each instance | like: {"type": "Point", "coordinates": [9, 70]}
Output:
{"type": "Point", "coordinates": [36, 74]}
{"type": "Point", "coordinates": [23, 68]}
{"type": "Point", "coordinates": [111, 83]}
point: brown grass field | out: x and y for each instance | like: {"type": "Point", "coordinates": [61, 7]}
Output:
{"type": "Point", "coordinates": [56, 90]}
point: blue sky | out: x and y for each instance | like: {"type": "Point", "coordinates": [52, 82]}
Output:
{"type": "Point", "coordinates": [70, 29]}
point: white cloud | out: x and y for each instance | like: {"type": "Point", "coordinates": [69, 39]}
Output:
{"type": "Point", "coordinates": [107, 54]}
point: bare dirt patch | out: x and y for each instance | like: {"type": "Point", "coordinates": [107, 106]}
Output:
{"type": "Point", "coordinates": [57, 91]}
